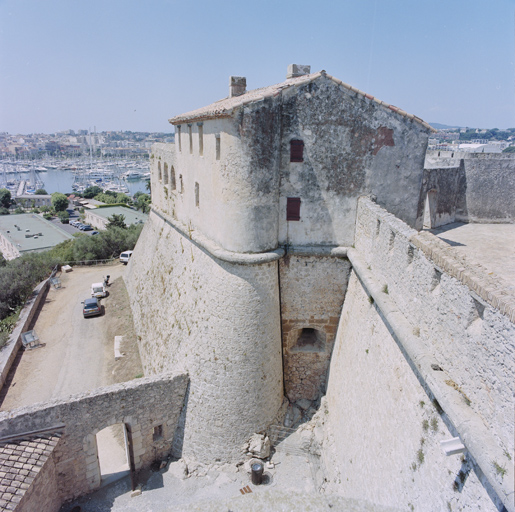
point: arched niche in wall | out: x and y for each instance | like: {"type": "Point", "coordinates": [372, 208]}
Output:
{"type": "Point", "coordinates": [309, 339]}
{"type": "Point", "coordinates": [165, 180]}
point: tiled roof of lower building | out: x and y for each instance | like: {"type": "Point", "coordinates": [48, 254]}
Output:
{"type": "Point", "coordinates": [20, 462]}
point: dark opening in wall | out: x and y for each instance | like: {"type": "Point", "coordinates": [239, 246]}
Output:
{"type": "Point", "coordinates": [197, 192]}
{"type": "Point", "coordinates": [217, 141]}
{"type": "Point", "coordinates": [173, 185]}
{"type": "Point", "coordinates": [200, 138]}
{"type": "Point", "coordinates": [296, 151]}
{"type": "Point", "coordinates": [165, 180]}
{"type": "Point", "coordinates": [309, 340]}
{"type": "Point", "coordinates": [159, 172]}
{"type": "Point", "coordinates": [293, 208]}
{"type": "Point", "coordinates": [158, 433]}
{"type": "Point", "coordinates": [191, 139]}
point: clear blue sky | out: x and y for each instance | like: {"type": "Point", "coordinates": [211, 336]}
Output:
{"type": "Point", "coordinates": [131, 65]}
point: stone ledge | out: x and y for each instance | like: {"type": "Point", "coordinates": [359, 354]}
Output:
{"type": "Point", "coordinates": [490, 288]}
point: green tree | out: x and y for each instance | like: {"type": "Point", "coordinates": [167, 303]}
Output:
{"type": "Point", "coordinates": [91, 192]}
{"type": "Point", "coordinates": [116, 220]}
{"type": "Point", "coordinates": [40, 192]}
{"type": "Point", "coordinates": [142, 202]}
{"type": "Point", "coordinates": [5, 198]}
{"type": "Point", "coordinates": [64, 217]}
{"type": "Point", "coordinates": [4, 211]}
{"type": "Point", "coordinates": [59, 202]}
{"type": "Point", "coordinates": [509, 149]}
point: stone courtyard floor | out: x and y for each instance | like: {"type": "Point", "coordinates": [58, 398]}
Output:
{"type": "Point", "coordinates": [491, 245]}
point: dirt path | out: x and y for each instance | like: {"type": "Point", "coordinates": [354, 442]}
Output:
{"type": "Point", "coordinates": [79, 352]}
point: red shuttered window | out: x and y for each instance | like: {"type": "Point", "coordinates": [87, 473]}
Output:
{"type": "Point", "coordinates": [296, 151]}
{"type": "Point", "coordinates": [293, 208]}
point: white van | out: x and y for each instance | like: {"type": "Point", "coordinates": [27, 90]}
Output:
{"type": "Point", "coordinates": [98, 290]}
{"type": "Point", "coordinates": [125, 257]}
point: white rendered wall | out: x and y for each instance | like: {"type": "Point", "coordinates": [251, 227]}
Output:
{"type": "Point", "coordinates": [217, 321]}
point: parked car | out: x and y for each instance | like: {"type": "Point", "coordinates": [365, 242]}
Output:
{"type": "Point", "coordinates": [98, 290]}
{"type": "Point", "coordinates": [125, 257]}
{"type": "Point", "coordinates": [87, 227]}
{"type": "Point", "coordinates": [91, 307]}
{"type": "Point", "coordinates": [94, 233]}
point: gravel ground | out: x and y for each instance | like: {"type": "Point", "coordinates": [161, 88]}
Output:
{"type": "Point", "coordinates": [78, 355]}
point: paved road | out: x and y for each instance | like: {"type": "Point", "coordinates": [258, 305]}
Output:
{"type": "Point", "coordinates": [77, 350]}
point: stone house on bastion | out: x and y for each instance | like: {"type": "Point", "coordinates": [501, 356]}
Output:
{"type": "Point", "coordinates": [267, 182]}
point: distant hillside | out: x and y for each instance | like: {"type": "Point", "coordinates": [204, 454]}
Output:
{"type": "Point", "coordinates": [439, 126]}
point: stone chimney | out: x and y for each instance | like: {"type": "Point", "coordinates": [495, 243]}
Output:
{"type": "Point", "coordinates": [295, 70]}
{"type": "Point", "coordinates": [237, 86]}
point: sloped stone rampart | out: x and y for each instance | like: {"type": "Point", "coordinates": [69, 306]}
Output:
{"type": "Point", "coordinates": [459, 347]}
{"type": "Point", "coordinates": [219, 322]}
{"type": "Point", "coordinates": [381, 428]}
{"type": "Point", "coordinates": [141, 405]}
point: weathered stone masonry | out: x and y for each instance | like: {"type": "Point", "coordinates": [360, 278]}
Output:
{"type": "Point", "coordinates": [141, 405]}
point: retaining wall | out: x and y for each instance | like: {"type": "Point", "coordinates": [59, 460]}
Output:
{"type": "Point", "coordinates": [10, 349]}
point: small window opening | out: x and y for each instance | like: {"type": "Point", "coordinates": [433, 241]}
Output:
{"type": "Point", "coordinates": [411, 253]}
{"type": "Point", "coordinates": [217, 140]}
{"type": "Point", "coordinates": [196, 194]}
{"type": "Point", "coordinates": [296, 151]}
{"type": "Point", "coordinates": [178, 132]}
{"type": "Point", "coordinates": [391, 240]}
{"type": "Point", "coordinates": [181, 186]}
{"type": "Point", "coordinates": [200, 139]}
{"type": "Point", "coordinates": [435, 280]}
{"type": "Point", "coordinates": [293, 208]}
{"type": "Point", "coordinates": [378, 227]}
{"type": "Point", "coordinates": [310, 340]}
{"type": "Point", "coordinates": [172, 178]}
{"type": "Point", "coordinates": [159, 173]}
{"type": "Point", "coordinates": [191, 139]}
{"type": "Point", "coordinates": [166, 174]}
{"type": "Point", "coordinates": [158, 433]}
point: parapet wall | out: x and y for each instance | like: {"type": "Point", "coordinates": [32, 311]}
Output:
{"type": "Point", "coordinates": [141, 405]}
{"type": "Point", "coordinates": [219, 322]}
{"type": "Point", "coordinates": [420, 357]}
{"type": "Point", "coordinates": [485, 185]}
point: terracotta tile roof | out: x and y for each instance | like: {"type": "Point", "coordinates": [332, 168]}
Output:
{"type": "Point", "coordinates": [20, 463]}
{"type": "Point", "coordinates": [226, 106]}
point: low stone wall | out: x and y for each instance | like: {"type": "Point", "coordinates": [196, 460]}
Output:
{"type": "Point", "coordinates": [10, 350]}
{"type": "Point", "coordinates": [149, 408]}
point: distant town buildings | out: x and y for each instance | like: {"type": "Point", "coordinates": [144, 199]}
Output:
{"type": "Point", "coordinates": [73, 143]}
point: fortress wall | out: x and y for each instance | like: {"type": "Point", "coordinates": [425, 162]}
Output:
{"type": "Point", "coordinates": [141, 405]}
{"type": "Point", "coordinates": [485, 186]}
{"type": "Point", "coordinates": [217, 321]}
{"type": "Point", "coordinates": [312, 292]}
{"type": "Point", "coordinates": [382, 432]}
{"type": "Point", "coordinates": [417, 334]}
{"type": "Point", "coordinates": [460, 313]}
{"type": "Point", "coordinates": [486, 189]}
